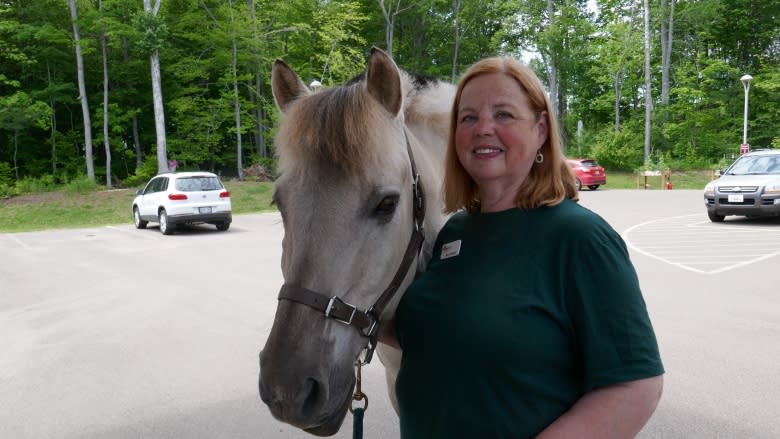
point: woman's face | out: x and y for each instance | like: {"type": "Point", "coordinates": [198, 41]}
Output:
{"type": "Point", "coordinates": [497, 133]}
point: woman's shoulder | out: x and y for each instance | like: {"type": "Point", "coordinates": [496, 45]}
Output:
{"type": "Point", "coordinates": [456, 221]}
{"type": "Point", "coordinates": [568, 211]}
{"type": "Point", "coordinates": [574, 220]}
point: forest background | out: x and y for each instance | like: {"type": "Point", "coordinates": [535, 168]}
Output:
{"type": "Point", "coordinates": [637, 84]}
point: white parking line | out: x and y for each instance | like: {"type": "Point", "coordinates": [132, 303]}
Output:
{"type": "Point", "coordinates": [18, 241]}
{"type": "Point", "coordinates": [703, 247]}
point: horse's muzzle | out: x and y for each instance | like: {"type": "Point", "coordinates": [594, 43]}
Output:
{"type": "Point", "coordinates": [300, 402]}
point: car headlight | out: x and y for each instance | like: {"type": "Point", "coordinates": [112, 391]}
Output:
{"type": "Point", "coordinates": [773, 188]}
{"type": "Point", "coordinates": [709, 189]}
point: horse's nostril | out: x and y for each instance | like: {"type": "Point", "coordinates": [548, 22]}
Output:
{"type": "Point", "coordinates": [309, 395]}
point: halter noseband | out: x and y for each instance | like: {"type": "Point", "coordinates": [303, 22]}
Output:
{"type": "Point", "coordinates": [367, 322]}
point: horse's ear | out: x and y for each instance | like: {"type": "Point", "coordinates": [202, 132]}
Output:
{"type": "Point", "coordinates": [286, 85]}
{"type": "Point", "coordinates": [383, 81]}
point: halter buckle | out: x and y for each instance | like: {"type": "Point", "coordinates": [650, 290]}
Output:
{"type": "Point", "coordinates": [336, 301]}
{"type": "Point", "coordinates": [371, 330]}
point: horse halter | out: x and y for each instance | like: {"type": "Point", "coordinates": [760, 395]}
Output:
{"type": "Point", "coordinates": [367, 322]}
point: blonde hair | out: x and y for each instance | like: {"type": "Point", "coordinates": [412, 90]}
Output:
{"type": "Point", "coordinates": [547, 184]}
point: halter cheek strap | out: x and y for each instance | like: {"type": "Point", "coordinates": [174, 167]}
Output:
{"type": "Point", "coordinates": [367, 321]}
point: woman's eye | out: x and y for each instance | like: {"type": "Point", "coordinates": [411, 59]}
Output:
{"type": "Point", "coordinates": [467, 119]}
{"type": "Point", "coordinates": [386, 208]}
{"type": "Point", "coordinates": [503, 115]}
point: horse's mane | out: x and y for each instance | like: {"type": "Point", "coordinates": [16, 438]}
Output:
{"type": "Point", "coordinates": [338, 130]}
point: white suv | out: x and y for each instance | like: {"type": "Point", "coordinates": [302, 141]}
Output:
{"type": "Point", "coordinates": [183, 198]}
{"type": "Point", "coordinates": [750, 187]}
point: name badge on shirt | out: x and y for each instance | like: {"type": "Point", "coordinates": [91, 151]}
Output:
{"type": "Point", "coordinates": [450, 249]}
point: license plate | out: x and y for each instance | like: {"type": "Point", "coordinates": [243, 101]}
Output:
{"type": "Point", "coordinates": [736, 198]}
{"type": "Point", "coordinates": [598, 172]}
{"type": "Point", "coordinates": [208, 209]}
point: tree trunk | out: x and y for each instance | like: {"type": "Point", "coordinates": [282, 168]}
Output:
{"type": "Point", "coordinates": [389, 26]}
{"type": "Point", "coordinates": [236, 101]}
{"type": "Point", "coordinates": [457, 5]}
{"type": "Point", "coordinates": [648, 83]}
{"type": "Point", "coordinates": [259, 114]}
{"type": "Point", "coordinates": [159, 113]}
{"type": "Point", "coordinates": [16, 151]}
{"type": "Point", "coordinates": [553, 69]}
{"type": "Point", "coordinates": [391, 12]}
{"type": "Point", "coordinates": [53, 129]}
{"type": "Point", "coordinates": [136, 138]}
{"type": "Point", "coordinates": [667, 34]}
{"type": "Point", "coordinates": [82, 91]}
{"type": "Point", "coordinates": [618, 95]}
{"type": "Point", "coordinates": [106, 140]}
{"type": "Point", "coordinates": [262, 150]}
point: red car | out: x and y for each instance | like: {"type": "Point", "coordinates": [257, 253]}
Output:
{"type": "Point", "coordinates": [588, 172]}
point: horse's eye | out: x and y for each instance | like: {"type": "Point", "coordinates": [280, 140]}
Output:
{"type": "Point", "coordinates": [385, 209]}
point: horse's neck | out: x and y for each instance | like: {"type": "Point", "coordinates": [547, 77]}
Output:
{"type": "Point", "coordinates": [427, 116]}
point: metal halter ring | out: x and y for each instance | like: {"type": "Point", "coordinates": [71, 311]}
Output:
{"type": "Point", "coordinates": [357, 397]}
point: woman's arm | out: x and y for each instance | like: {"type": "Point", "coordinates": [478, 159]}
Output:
{"type": "Point", "coordinates": [617, 411]}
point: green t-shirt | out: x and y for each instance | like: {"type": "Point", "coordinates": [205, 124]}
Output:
{"type": "Point", "coordinates": [505, 333]}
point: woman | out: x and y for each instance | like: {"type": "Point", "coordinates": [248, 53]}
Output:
{"type": "Point", "coordinates": [529, 321]}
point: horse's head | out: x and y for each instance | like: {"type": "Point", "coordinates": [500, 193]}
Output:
{"type": "Point", "coordinates": [345, 195]}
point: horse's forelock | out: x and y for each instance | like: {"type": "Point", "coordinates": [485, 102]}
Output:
{"type": "Point", "coordinates": [338, 131]}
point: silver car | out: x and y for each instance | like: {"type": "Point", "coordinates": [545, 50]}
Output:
{"type": "Point", "coordinates": [749, 187]}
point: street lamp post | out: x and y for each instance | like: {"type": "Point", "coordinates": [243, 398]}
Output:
{"type": "Point", "coordinates": [746, 82]}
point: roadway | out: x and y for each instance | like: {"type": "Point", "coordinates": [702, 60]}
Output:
{"type": "Point", "coordinates": [119, 333]}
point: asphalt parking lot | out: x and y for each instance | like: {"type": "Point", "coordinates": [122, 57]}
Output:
{"type": "Point", "coordinates": [114, 332]}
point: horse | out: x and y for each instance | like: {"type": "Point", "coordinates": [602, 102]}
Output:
{"type": "Point", "coordinates": [352, 163]}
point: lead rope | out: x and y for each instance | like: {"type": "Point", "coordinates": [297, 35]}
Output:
{"type": "Point", "coordinates": [357, 412]}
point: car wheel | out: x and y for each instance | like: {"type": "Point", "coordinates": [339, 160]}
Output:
{"type": "Point", "coordinates": [165, 228]}
{"type": "Point", "coordinates": [222, 226]}
{"type": "Point", "coordinates": [593, 187]}
{"type": "Point", "coordinates": [139, 223]}
{"type": "Point", "coordinates": [714, 217]}
{"type": "Point", "coordinates": [578, 183]}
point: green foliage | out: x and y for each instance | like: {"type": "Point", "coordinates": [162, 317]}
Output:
{"type": "Point", "coordinates": [80, 185]}
{"type": "Point", "coordinates": [153, 30]}
{"type": "Point", "coordinates": [7, 190]}
{"type": "Point", "coordinates": [208, 49]}
{"type": "Point", "coordinates": [143, 174]}
{"type": "Point", "coordinates": [6, 174]}
{"type": "Point", "coordinates": [7, 186]}
{"type": "Point", "coordinates": [655, 162]}
{"type": "Point", "coordinates": [50, 183]}
{"type": "Point", "coordinates": [29, 185]}
{"type": "Point", "coordinates": [618, 150]}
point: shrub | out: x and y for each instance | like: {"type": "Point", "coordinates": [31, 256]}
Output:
{"type": "Point", "coordinates": [143, 174]}
{"type": "Point", "coordinates": [6, 174]}
{"type": "Point", "coordinates": [618, 151]}
{"type": "Point", "coordinates": [29, 185]}
{"type": "Point", "coordinates": [81, 184]}
{"type": "Point", "coordinates": [7, 190]}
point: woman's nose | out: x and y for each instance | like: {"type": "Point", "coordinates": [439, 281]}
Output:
{"type": "Point", "coordinates": [484, 125]}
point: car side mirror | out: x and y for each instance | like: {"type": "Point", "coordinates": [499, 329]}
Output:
{"type": "Point", "coordinates": [719, 172]}
{"type": "Point", "coordinates": [139, 192]}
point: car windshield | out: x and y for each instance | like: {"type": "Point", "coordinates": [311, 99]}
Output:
{"type": "Point", "coordinates": [192, 184]}
{"type": "Point", "coordinates": [589, 163]}
{"type": "Point", "coordinates": [756, 165]}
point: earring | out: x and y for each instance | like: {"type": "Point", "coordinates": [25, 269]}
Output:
{"type": "Point", "coordinates": [539, 157]}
